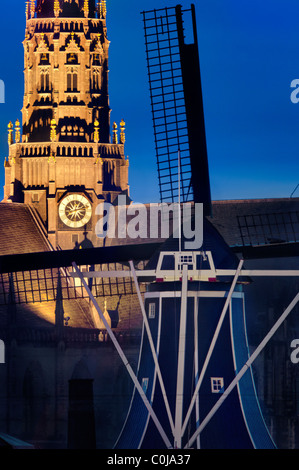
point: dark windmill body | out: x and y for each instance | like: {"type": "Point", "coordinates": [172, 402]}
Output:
{"type": "Point", "coordinates": [196, 317]}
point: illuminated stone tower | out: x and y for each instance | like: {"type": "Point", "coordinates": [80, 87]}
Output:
{"type": "Point", "coordinates": [64, 162]}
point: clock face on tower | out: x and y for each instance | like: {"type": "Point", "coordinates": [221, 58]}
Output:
{"type": "Point", "coordinates": [75, 210]}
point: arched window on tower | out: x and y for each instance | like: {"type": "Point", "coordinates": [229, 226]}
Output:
{"type": "Point", "coordinates": [44, 81]}
{"type": "Point", "coordinates": [96, 82]}
{"type": "Point", "coordinates": [72, 80]}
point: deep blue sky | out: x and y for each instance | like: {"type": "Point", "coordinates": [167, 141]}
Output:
{"type": "Point", "coordinates": [249, 54]}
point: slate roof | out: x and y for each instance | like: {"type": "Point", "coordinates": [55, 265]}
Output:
{"type": "Point", "coordinates": [21, 233]}
{"type": "Point", "coordinates": [266, 219]}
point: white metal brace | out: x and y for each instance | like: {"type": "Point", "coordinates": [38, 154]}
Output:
{"type": "Point", "coordinates": [185, 269]}
{"type": "Point", "coordinates": [212, 345]}
{"type": "Point", "coordinates": [243, 370]}
{"type": "Point", "coordinates": [147, 327]}
{"type": "Point", "coordinates": [209, 273]}
{"type": "Point", "coordinates": [181, 361]}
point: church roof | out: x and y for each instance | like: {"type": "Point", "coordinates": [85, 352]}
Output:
{"type": "Point", "coordinates": [256, 221]}
{"type": "Point", "coordinates": [21, 233]}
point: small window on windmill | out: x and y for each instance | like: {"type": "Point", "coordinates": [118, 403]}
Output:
{"type": "Point", "coordinates": [35, 197]}
{"type": "Point", "coordinates": [186, 259]}
{"type": "Point", "coordinates": [217, 384]}
{"type": "Point", "coordinates": [152, 310]}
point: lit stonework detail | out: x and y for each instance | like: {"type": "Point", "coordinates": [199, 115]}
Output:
{"type": "Point", "coordinates": [122, 132]}
{"type": "Point", "coordinates": [10, 131]}
{"type": "Point", "coordinates": [56, 8]}
{"type": "Point", "coordinates": [32, 8]}
{"type": "Point", "coordinates": [102, 8]}
{"type": "Point", "coordinates": [18, 131]}
{"type": "Point", "coordinates": [96, 131]}
{"type": "Point", "coordinates": [53, 130]}
{"type": "Point", "coordinates": [86, 8]}
{"type": "Point", "coordinates": [115, 133]}
{"type": "Point", "coordinates": [66, 144]}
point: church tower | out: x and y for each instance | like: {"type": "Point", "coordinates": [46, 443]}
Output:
{"type": "Point", "coordinates": [66, 160]}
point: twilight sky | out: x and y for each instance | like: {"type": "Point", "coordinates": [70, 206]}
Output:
{"type": "Point", "coordinates": [249, 54]}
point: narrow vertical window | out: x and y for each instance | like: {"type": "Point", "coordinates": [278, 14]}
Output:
{"type": "Point", "coordinates": [95, 82]}
{"type": "Point", "coordinates": [69, 81]}
{"type": "Point", "coordinates": [75, 82]}
{"type": "Point", "coordinates": [152, 310]}
{"type": "Point", "coordinates": [72, 81]}
{"type": "Point", "coordinates": [44, 81]}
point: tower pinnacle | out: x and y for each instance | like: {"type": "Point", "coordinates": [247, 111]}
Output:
{"type": "Point", "coordinates": [66, 70]}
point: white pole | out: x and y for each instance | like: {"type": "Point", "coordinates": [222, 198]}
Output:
{"type": "Point", "coordinates": [125, 361]}
{"type": "Point", "coordinates": [196, 365]}
{"type": "Point", "coordinates": [218, 273]}
{"type": "Point", "coordinates": [212, 345]}
{"type": "Point", "coordinates": [243, 370]}
{"type": "Point", "coordinates": [152, 347]}
{"type": "Point", "coordinates": [181, 361]}
{"type": "Point", "coordinates": [179, 190]}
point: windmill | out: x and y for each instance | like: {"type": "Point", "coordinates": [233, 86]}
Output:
{"type": "Point", "coordinates": [199, 380]}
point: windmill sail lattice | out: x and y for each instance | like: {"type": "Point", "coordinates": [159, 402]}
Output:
{"type": "Point", "coordinates": [177, 106]}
